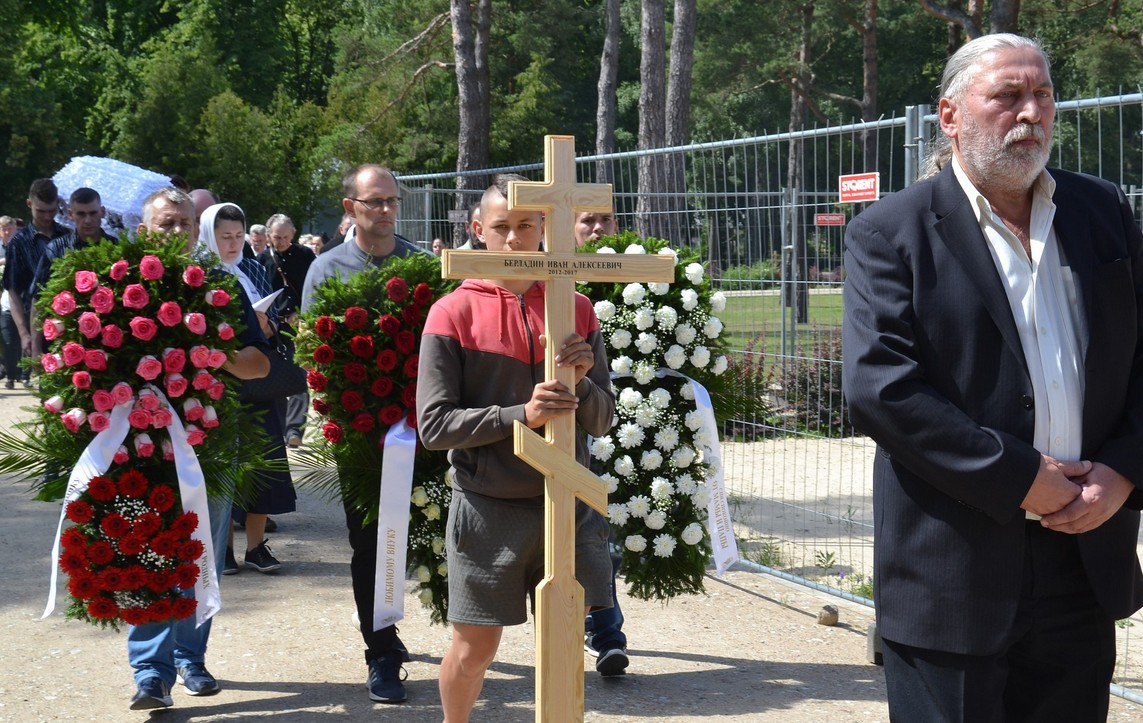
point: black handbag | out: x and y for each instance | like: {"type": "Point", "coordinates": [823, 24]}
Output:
{"type": "Point", "coordinates": [285, 378]}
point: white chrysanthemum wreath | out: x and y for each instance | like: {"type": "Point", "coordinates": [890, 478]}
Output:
{"type": "Point", "coordinates": [659, 338]}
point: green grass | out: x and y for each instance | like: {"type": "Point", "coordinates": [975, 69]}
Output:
{"type": "Point", "coordinates": [747, 316]}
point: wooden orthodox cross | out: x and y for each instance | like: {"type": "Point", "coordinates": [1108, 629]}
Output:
{"type": "Point", "coordinates": [559, 598]}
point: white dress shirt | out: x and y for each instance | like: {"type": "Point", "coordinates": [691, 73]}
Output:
{"type": "Point", "coordinates": [1042, 295]}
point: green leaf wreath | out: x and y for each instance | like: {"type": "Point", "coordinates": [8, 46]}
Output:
{"type": "Point", "coordinates": [360, 342]}
{"type": "Point", "coordinates": [652, 460]}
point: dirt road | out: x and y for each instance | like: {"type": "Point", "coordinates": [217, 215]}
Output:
{"type": "Point", "coordinates": [284, 645]}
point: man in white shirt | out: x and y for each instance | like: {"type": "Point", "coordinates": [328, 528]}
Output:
{"type": "Point", "coordinates": [993, 341]}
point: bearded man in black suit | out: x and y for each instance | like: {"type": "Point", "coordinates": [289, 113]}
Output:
{"type": "Point", "coordinates": [993, 343]}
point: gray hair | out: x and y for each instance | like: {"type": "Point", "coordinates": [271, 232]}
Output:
{"type": "Point", "coordinates": [958, 69]}
{"type": "Point", "coordinates": [280, 219]}
{"type": "Point", "coordinates": [257, 228]}
{"type": "Point", "coordinates": [958, 74]}
{"type": "Point", "coordinates": [171, 194]}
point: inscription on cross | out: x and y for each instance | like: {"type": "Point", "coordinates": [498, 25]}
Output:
{"type": "Point", "coordinates": [559, 598]}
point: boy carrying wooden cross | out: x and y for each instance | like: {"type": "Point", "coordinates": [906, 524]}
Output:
{"type": "Point", "coordinates": [481, 369]}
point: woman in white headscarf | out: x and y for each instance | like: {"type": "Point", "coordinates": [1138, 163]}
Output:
{"type": "Point", "coordinates": [222, 229]}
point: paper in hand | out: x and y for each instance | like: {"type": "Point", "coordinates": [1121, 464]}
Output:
{"type": "Point", "coordinates": [264, 303]}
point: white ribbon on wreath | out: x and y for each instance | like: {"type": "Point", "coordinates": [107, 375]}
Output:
{"type": "Point", "coordinates": [96, 459]}
{"type": "Point", "coordinates": [393, 524]}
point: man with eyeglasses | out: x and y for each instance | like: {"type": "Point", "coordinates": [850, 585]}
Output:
{"type": "Point", "coordinates": [371, 198]}
{"type": "Point", "coordinates": [259, 243]}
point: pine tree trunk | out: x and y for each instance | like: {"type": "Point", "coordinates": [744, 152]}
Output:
{"type": "Point", "coordinates": [607, 108]}
{"type": "Point", "coordinates": [869, 83]}
{"type": "Point", "coordinates": [796, 234]}
{"type": "Point", "coordinates": [470, 49]}
{"type": "Point", "coordinates": [679, 119]}
{"type": "Point", "coordinates": [652, 116]}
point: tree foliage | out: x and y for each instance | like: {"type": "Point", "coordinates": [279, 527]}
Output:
{"type": "Point", "coordinates": [269, 101]}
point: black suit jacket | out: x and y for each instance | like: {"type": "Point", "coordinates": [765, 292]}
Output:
{"type": "Point", "coordinates": [935, 374]}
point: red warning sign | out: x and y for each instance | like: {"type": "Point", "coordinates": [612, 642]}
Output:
{"type": "Point", "coordinates": [860, 187]}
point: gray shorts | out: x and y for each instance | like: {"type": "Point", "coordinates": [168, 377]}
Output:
{"type": "Point", "coordinates": [496, 558]}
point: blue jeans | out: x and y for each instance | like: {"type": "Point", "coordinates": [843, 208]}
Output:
{"type": "Point", "coordinates": [605, 627]}
{"type": "Point", "coordinates": [158, 649]}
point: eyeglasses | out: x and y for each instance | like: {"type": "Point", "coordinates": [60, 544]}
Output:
{"type": "Point", "coordinates": [376, 204]}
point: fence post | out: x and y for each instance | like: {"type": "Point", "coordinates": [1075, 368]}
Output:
{"type": "Point", "coordinates": [788, 302]}
{"type": "Point", "coordinates": [428, 233]}
{"type": "Point", "coordinates": [913, 143]}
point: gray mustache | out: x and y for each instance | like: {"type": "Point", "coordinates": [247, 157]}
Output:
{"type": "Point", "coordinates": [1023, 132]}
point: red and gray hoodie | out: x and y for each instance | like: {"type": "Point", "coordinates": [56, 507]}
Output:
{"type": "Point", "coordinates": [480, 358]}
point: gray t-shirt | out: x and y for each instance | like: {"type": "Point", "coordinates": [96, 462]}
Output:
{"type": "Point", "coordinates": [345, 260]}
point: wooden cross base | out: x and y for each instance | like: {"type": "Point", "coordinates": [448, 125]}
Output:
{"type": "Point", "coordinates": [559, 597]}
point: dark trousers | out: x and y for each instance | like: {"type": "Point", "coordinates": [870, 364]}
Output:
{"type": "Point", "coordinates": [296, 408]}
{"type": "Point", "coordinates": [12, 351]}
{"type": "Point", "coordinates": [363, 570]}
{"type": "Point", "coordinates": [1056, 666]}
{"type": "Point", "coordinates": [605, 627]}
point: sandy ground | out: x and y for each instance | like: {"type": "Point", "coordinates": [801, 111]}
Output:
{"type": "Point", "coordinates": [804, 506]}
{"type": "Point", "coordinates": [750, 649]}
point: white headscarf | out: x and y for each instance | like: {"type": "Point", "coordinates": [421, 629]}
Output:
{"type": "Point", "coordinates": [206, 236]}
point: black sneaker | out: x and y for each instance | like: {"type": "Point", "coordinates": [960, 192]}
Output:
{"type": "Point", "coordinates": [230, 567]}
{"type": "Point", "coordinates": [197, 680]}
{"type": "Point", "coordinates": [385, 676]}
{"type": "Point", "coordinates": [271, 526]}
{"type": "Point", "coordinates": [152, 693]}
{"type": "Point", "coordinates": [612, 662]}
{"type": "Point", "coordinates": [261, 559]}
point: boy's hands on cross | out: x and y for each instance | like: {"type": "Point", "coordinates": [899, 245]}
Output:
{"type": "Point", "coordinates": [575, 352]}
{"type": "Point", "coordinates": [551, 399]}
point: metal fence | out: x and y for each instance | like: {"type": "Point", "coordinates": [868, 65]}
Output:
{"type": "Point", "coordinates": [799, 479]}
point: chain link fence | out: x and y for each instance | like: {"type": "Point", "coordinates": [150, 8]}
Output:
{"type": "Point", "coordinates": [765, 214]}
